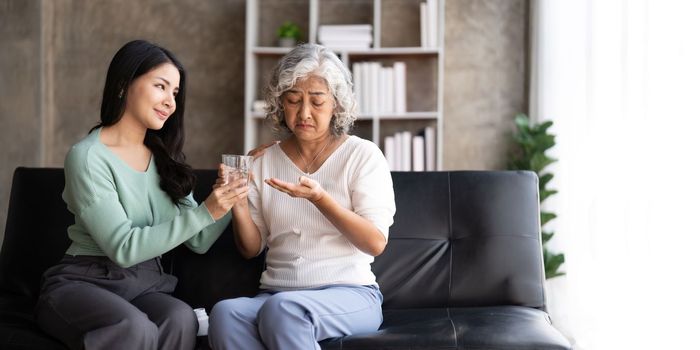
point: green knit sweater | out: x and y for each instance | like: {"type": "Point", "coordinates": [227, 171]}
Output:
{"type": "Point", "coordinates": [123, 214]}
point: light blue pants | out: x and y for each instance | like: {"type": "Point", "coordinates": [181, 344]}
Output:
{"type": "Point", "coordinates": [295, 319]}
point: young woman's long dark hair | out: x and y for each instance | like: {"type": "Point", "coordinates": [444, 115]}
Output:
{"type": "Point", "coordinates": [134, 59]}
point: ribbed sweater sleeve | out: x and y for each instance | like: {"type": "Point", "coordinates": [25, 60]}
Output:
{"type": "Point", "coordinates": [107, 199]}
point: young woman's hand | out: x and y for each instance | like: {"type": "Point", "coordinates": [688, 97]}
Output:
{"type": "Point", "coordinates": [260, 150]}
{"type": "Point", "coordinates": [221, 176]}
{"type": "Point", "coordinates": [225, 195]}
{"type": "Point", "coordinates": [306, 188]}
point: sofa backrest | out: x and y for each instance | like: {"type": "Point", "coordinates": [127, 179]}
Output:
{"type": "Point", "coordinates": [461, 238]}
{"type": "Point", "coordinates": [35, 231]}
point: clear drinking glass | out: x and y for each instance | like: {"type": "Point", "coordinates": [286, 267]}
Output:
{"type": "Point", "coordinates": [237, 166]}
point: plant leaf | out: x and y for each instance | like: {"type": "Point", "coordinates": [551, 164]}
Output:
{"type": "Point", "coordinates": [546, 236]}
{"type": "Point", "coordinates": [555, 274]}
{"type": "Point", "coordinates": [543, 142]}
{"type": "Point", "coordinates": [539, 161]}
{"type": "Point", "coordinates": [545, 179]}
{"type": "Point", "coordinates": [546, 217]}
{"type": "Point", "coordinates": [546, 194]}
{"type": "Point", "coordinates": [522, 121]}
{"type": "Point", "coordinates": [518, 164]}
{"type": "Point", "coordinates": [552, 263]}
{"type": "Point", "coordinates": [542, 128]}
{"type": "Point", "coordinates": [532, 140]}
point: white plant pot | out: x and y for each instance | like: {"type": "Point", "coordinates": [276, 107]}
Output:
{"type": "Point", "coordinates": [287, 42]}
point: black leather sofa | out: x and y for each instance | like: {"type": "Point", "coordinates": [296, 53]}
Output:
{"type": "Point", "coordinates": [463, 268]}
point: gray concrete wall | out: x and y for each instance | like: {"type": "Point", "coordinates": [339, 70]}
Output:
{"type": "Point", "coordinates": [486, 49]}
{"type": "Point", "coordinates": [54, 56]}
{"type": "Point", "coordinates": [207, 36]}
{"type": "Point", "coordinates": [20, 92]}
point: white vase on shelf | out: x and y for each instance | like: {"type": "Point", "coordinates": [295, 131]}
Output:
{"type": "Point", "coordinates": [287, 42]}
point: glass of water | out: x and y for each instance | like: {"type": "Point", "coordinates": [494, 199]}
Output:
{"type": "Point", "coordinates": [237, 167]}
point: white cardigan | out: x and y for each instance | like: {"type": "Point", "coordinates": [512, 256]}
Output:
{"type": "Point", "coordinates": [305, 250]}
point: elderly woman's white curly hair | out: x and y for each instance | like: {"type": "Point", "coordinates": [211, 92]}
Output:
{"type": "Point", "coordinates": [304, 61]}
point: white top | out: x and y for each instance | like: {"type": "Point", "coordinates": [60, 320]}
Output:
{"type": "Point", "coordinates": [305, 250]}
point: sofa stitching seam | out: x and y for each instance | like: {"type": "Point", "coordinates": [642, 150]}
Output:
{"type": "Point", "coordinates": [454, 328]}
{"type": "Point", "coordinates": [449, 232]}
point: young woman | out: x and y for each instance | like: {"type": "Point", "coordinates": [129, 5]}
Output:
{"type": "Point", "coordinates": [323, 212]}
{"type": "Point", "coordinates": [129, 188]}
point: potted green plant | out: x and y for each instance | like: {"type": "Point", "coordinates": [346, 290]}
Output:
{"type": "Point", "coordinates": [288, 34]}
{"type": "Point", "coordinates": [532, 140]}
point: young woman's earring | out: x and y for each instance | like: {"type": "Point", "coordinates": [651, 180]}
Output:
{"type": "Point", "coordinates": [121, 94]}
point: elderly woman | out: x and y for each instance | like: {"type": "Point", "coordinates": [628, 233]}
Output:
{"type": "Point", "coordinates": [323, 212]}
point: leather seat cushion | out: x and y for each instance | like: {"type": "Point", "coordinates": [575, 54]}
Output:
{"type": "Point", "coordinates": [499, 327]}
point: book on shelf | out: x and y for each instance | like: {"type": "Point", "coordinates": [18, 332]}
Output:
{"type": "Point", "coordinates": [374, 68]}
{"type": "Point", "coordinates": [350, 37]}
{"type": "Point", "coordinates": [390, 151]}
{"type": "Point", "coordinates": [429, 134]}
{"type": "Point", "coordinates": [407, 152]}
{"type": "Point", "coordinates": [398, 150]}
{"type": "Point", "coordinates": [356, 88]}
{"type": "Point", "coordinates": [418, 153]}
{"type": "Point", "coordinates": [365, 86]}
{"type": "Point", "coordinates": [386, 90]}
{"type": "Point", "coordinates": [390, 89]}
{"type": "Point", "coordinates": [429, 23]}
{"type": "Point", "coordinates": [399, 87]}
{"type": "Point", "coordinates": [357, 36]}
{"type": "Point", "coordinates": [345, 28]}
{"type": "Point", "coordinates": [423, 24]}
{"type": "Point", "coordinates": [380, 90]}
{"type": "Point", "coordinates": [359, 86]}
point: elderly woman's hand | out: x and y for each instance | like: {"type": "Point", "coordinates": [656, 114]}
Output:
{"type": "Point", "coordinates": [306, 188]}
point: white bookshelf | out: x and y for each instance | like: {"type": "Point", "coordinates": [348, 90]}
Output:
{"type": "Point", "coordinates": [424, 98]}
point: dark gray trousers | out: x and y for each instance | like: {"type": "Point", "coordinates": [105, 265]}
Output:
{"type": "Point", "coordinates": [90, 302]}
